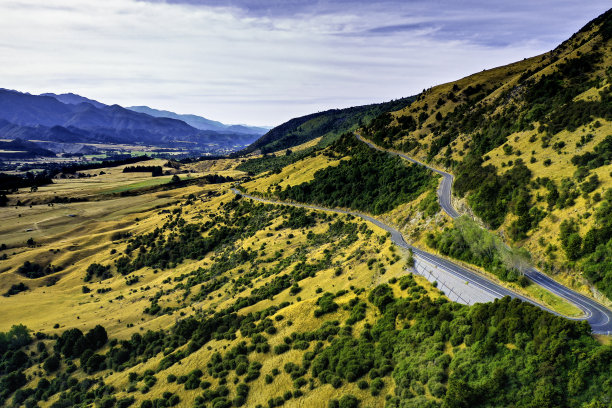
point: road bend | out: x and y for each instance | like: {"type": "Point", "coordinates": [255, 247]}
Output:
{"type": "Point", "coordinates": [598, 316]}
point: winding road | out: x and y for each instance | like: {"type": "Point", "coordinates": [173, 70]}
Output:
{"type": "Point", "coordinates": [598, 316]}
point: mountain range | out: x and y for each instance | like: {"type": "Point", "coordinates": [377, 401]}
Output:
{"type": "Point", "coordinates": [71, 118]}
{"type": "Point", "coordinates": [200, 122]}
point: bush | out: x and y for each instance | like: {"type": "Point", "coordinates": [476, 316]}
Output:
{"type": "Point", "coordinates": [349, 401]}
{"type": "Point", "coordinates": [52, 363]}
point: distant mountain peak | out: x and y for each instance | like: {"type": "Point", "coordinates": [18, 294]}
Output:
{"type": "Point", "coordinates": [200, 122]}
{"type": "Point", "coordinates": [74, 99]}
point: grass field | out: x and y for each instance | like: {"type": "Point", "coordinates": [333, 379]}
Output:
{"type": "Point", "coordinates": [75, 235]}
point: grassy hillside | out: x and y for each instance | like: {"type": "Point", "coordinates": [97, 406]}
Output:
{"type": "Point", "coordinates": [529, 146]}
{"type": "Point", "coordinates": [196, 297]}
{"type": "Point", "coordinates": [125, 290]}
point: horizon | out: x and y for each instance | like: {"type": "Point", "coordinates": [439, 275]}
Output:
{"type": "Point", "coordinates": [262, 63]}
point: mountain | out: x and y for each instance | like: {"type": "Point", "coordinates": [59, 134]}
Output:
{"type": "Point", "coordinates": [328, 125]}
{"type": "Point", "coordinates": [46, 117]}
{"type": "Point", "coordinates": [199, 122]}
{"type": "Point", "coordinates": [22, 149]}
{"type": "Point", "coordinates": [74, 99]}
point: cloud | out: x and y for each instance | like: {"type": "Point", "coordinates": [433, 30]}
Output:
{"type": "Point", "coordinates": [262, 62]}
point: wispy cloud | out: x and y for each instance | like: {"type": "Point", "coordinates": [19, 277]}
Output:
{"type": "Point", "coordinates": [263, 62]}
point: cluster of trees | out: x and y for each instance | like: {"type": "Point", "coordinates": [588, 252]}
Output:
{"type": "Point", "coordinates": [71, 344]}
{"type": "Point", "coordinates": [15, 289]}
{"type": "Point", "coordinates": [98, 271]}
{"type": "Point", "coordinates": [369, 181]}
{"type": "Point", "coordinates": [600, 156]}
{"type": "Point", "coordinates": [33, 270]}
{"type": "Point", "coordinates": [470, 243]}
{"type": "Point", "coordinates": [595, 248]}
{"type": "Point", "coordinates": [492, 196]}
{"type": "Point", "coordinates": [11, 182]}
{"type": "Point", "coordinates": [273, 162]}
{"type": "Point", "coordinates": [154, 170]}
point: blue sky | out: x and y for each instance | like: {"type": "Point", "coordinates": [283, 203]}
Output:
{"type": "Point", "coordinates": [264, 62]}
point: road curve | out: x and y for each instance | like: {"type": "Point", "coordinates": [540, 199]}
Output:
{"type": "Point", "coordinates": [444, 190]}
{"type": "Point", "coordinates": [598, 316]}
{"type": "Point", "coordinates": [462, 273]}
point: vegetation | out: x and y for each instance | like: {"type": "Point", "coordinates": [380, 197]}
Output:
{"type": "Point", "coordinates": [594, 249]}
{"type": "Point", "coordinates": [328, 125]}
{"type": "Point", "coordinates": [369, 181]}
{"type": "Point", "coordinates": [154, 170]}
{"type": "Point", "coordinates": [470, 243]}
{"type": "Point", "coordinates": [33, 270]}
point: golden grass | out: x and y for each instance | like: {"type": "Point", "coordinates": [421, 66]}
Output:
{"type": "Point", "coordinates": [85, 239]}
{"type": "Point", "coordinates": [299, 172]}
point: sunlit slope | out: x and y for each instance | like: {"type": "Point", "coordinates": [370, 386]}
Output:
{"type": "Point", "coordinates": [529, 144]}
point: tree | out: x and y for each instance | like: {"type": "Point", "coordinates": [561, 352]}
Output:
{"type": "Point", "coordinates": [52, 363]}
{"type": "Point", "coordinates": [573, 250]}
{"type": "Point", "coordinates": [349, 401]}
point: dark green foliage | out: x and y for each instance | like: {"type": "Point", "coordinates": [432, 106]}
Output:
{"type": "Point", "coordinates": [326, 305]}
{"type": "Point", "coordinates": [99, 271]}
{"type": "Point", "coordinates": [328, 125]}
{"type": "Point", "coordinates": [15, 289]}
{"type": "Point", "coordinates": [491, 196]}
{"type": "Point", "coordinates": [273, 162]}
{"type": "Point", "coordinates": [358, 311]}
{"type": "Point", "coordinates": [381, 296]}
{"type": "Point", "coordinates": [601, 155]}
{"type": "Point", "coordinates": [52, 363]}
{"type": "Point", "coordinates": [125, 402]}
{"type": "Point", "coordinates": [33, 270]}
{"type": "Point", "coordinates": [429, 205]}
{"type": "Point", "coordinates": [594, 249]}
{"type": "Point", "coordinates": [370, 180]}
{"type": "Point", "coordinates": [348, 401]}
{"type": "Point", "coordinates": [72, 343]}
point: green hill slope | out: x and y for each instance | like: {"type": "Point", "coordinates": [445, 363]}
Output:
{"type": "Point", "coordinates": [529, 146]}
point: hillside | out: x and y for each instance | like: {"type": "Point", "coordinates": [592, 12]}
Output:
{"type": "Point", "coordinates": [319, 270]}
{"type": "Point", "coordinates": [528, 144]}
{"type": "Point", "coordinates": [327, 125]}
{"type": "Point", "coordinates": [189, 295]}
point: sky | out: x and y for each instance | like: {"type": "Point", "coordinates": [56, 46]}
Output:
{"type": "Point", "coordinates": [264, 62]}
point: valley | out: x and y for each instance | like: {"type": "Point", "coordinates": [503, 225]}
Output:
{"type": "Point", "coordinates": [446, 250]}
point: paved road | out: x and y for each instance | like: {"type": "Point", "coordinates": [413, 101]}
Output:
{"type": "Point", "coordinates": [462, 273]}
{"type": "Point", "coordinates": [444, 190]}
{"type": "Point", "coordinates": [599, 317]}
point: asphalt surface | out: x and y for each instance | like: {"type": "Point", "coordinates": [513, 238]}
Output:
{"type": "Point", "coordinates": [598, 316]}
{"type": "Point", "coordinates": [473, 278]}
{"type": "Point", "coordinates": [444, 190]}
